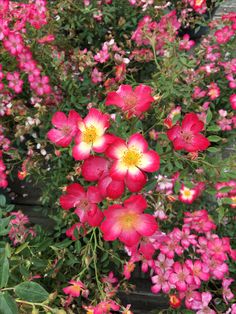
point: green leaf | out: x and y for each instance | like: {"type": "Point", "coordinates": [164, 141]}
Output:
{"type": "Point", "coordinates": [2, 201]}
{"type": "Point", "coordinates": [78, 246]}
{"type": "Point", "coordinates": [213, 128]}
{"type": "Point", "coordinates": [209, 116]}
{"type": "Point", "coordinates": [227, 200]}
{"type": "Point", "coordinates": [213, 149]}
{"type": "Point", "coordinates": [31, 292]}
{"type": "Point", "coordinates": [4, 271]}
{"type": "Point", "coordinates": [4, 226]}
{"type": "Point", "coordinates": [226, 189]}
{"type": "Point", "coordinates": [7, 304]}
{"type": "Point", "coordinates": [214, 138]}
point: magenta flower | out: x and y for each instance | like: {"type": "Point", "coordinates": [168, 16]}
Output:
{"type": "Point", "coordinates": [132, 102]}
{"type": "Point", "coordinates": [161, 282]}
{"type": "Point", "coordinates": [15, 82]}
{"type": "Point", "coordinates": [128, 223]}
{"type": "Point", "coordinates": [66, 128]}
{"type": "Point", "coordinates": [91, 135]}
{"type": "Point", "coordinates": [76, 288]}
{"type": "Point", "coordinates": [188, 136]}
{"type": "Point", "coordinates": [202, 305]}
{"type": "Point", "coordinates": [199, 271]}
{"type": "Point", "coordinates": [181, 276]}
{"type": "Point", "coordinates": [85, 203]}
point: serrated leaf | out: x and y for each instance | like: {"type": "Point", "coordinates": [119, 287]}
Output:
{"type": "Point", "coordinates": [4, 271]}
{"type": "Point", "coordinates": [214, 138]}
{"type": "Point", "coordinates": [7, 304]}
{"type": "Point", "coordinates": [31, 291]}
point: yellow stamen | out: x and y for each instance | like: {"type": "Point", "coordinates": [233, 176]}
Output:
{"type": "Point", "coordinates": [128, 220]}
{"type": "Point", "coordinates": [90, 134]}
{"type": "Point", "coordinates": [132, 157]}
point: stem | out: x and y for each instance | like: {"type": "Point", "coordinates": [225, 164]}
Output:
{"type": "Point", "coordinates": [95, 262]}
{"type": "Point", "coordinates": [33, 304]}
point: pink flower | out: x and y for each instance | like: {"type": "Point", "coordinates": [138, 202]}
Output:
{"type": "Point", "coordinates": [232, 100]}
{"type": "Point", "coordinates": [84, 202]}
{"type": "Point", "coordinates": [13, 43]}
{"type": "Point", "coordinates": [199, 6]}
{"type": "Point", "coordinates": [163, 263]}
{"type": "Point", "coordinates": [91, 135]}
{"type": "Point", "coordinates": [186, 43]}
{"type": "Point", "coordinates": [75, 289]}
{"type": "Point", "coordinates": [161, 282]}
{"type": "Point", "coordinates": [187, 136]}
{"type": "Point", "coordinates": [40, 84]}
{"type": "Point", "coordinates": [132, 102]}
{"type": "Point", "coordinates": [227, 293]}
{"type": "Point", "coordinates": [202, 305]}
{"type": "Point", "coordinates": [66, 128]}
{"type": "Point", "coordinates": [223, 35]}
{"type": "Point", "coordinates": [96, 168]}
{"type": "Point", "coordinates": [199, 271]}
{"type": "Point", "coordinates": [199, 221]}
{"type": "Point", "coordinates": [128, 269]}
{"type": "Point", "coordinates": [213, 91]}
{"type": "Point", "coordinates": [132, 160]}
{"type": "Point", "coordinates": [128, 223]}
{"type": "Point", "coordinates": [105, 307]}
{"type": "Point", "coordinates": [96, 76]}
{"type": "Point", "coordinates": [180, 276]}
{"type": "Point", "coordinates": [15, 82]}
{"type": "Point", "coordinates": [70, 233]}
{"type": "Point", "coordinates": [46, 39]}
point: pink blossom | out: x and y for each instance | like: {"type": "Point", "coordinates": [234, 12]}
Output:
{"type": "Point", "coordinates": [15, 82]}
{"type": "Point", "coordinates": [13, 43]}
{"type": "Point", "coordinates": [85, 203]}
{"type": "Point", "coordinates": [180, 276]}
{"type": "Point", "coordinates": [227, 293]}
{"type": "Point", "coordinates": [128, 223]}
{"type": "Point", "coordinates": [186, 43]}
{"type": "Point", "coordinates": [161, 281]}
{"type": "Point", "coordinates": [66, 128]}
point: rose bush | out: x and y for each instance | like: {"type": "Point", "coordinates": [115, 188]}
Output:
{"type": "Point", "coordinates": [127, 124]}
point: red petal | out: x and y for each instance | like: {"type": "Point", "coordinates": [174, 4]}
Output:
{"type": "Point", "coordinates": [59, 119]}
{"type": "Point", "coordinates": [147, 225]}
{"type": "Point", "coordinates": [94, 168]}
{"type": "Point", "coordinates": [139, 142]}
{"type": "Point", "coordinates": [136, 202]}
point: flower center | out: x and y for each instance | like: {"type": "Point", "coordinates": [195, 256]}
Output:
{"type": "Point", "coordinates": [128, 220]}
{"type": "Point", "coordinates": [66, 130]}
{"type": "Point", "coordinates": [132, 157]}
{"type": "Point", "coordinates": [187, 193]}
{"type": "Point", "coordinates": [130, 101]}
{"type": "Point", "coordinates": [90, 134]}
{"type": "Point", "coordinates": [187, 136]}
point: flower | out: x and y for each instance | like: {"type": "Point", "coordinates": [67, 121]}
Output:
{"type": "Point", "coordinates": [91, 135]}
{"type": "Point", "coordinates": [84, 202]}
{"type": "Point", "coordinates": [96, 168]}
{"type": "Point", "coordinates": [175, 301]}
{"type": "Point", "coordinates": [187, 136]}
{"type": "Point", "coordinates": [66, 128]}
{"type": "Point", "coordinates": [232, 100]}
{"type": "Point", "coordinates": [181, 276]}
{"type": "Point", "coordinates": [132, 102]}
{"type": "Point", "coordinates": [76, 288]}
{"type": "Point", "coordinates": [128, 223]}
{"type": "Point", "coordinates": [132, 160]}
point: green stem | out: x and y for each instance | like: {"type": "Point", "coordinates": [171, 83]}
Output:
{"type": "Point", "coordinates": [35, 304]}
